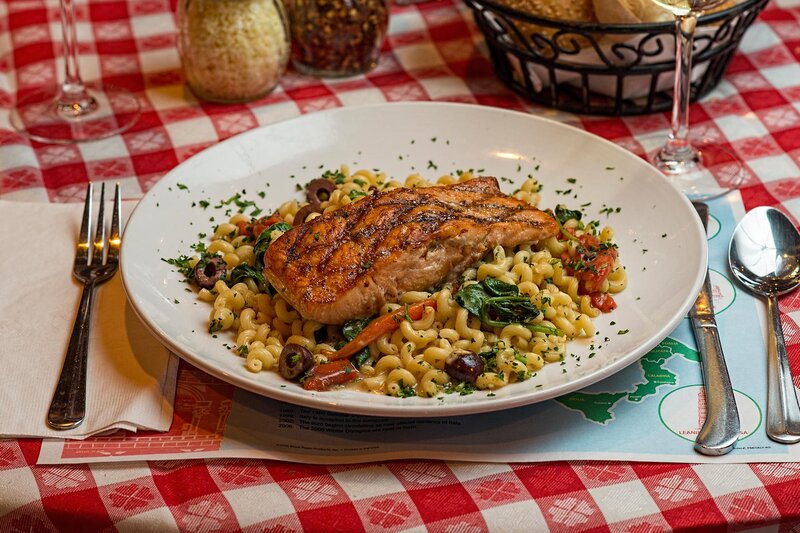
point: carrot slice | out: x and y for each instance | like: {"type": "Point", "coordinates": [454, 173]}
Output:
{"type": "Point", "coordinates": [379, 326]}
{"type": "Point", "coordinates": [327, 375]}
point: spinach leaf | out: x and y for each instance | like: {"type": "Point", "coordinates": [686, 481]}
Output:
{"type": "Point", "coordinates": [496, 287]}
{"type": "Point", "coordinates": [496, 303]}
{"type": "Point", "coordinates": [354, 327]}
{"type": "Point", "coordinates": [264, 239]}
{"type": "Point", "coordinates": [563, 214]}
{"type": "Point", "coordinates": [350, 330]}
{"type": "Point", "coordinates": [505, 310]}
{"type": "Point", "coordinates": [244, 271]}
{"type": "Point", "coordinates": [547, 330]}
{"type": "Point", "coordinates": [360, 358]}
{"type": "Point", "coordinates": [471, 298]}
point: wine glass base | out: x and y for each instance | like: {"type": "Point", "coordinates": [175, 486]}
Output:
{"type": "Point", "coordinates": [44, 118]}
{"type": "Point", "coordinates": [704, 172]}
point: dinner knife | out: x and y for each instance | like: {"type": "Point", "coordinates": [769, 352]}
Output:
{"type": "Point", "coordinates": [720, 430]}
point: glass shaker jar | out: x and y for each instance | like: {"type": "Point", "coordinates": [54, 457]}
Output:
{"type": "Point", "coordinates": [336, 38]}
{"type": "Point", "coordinates": [232, 50]}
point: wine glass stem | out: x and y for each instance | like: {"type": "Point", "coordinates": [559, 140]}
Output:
{"type": "Point", "coordinates": [73, 99]}
{"type": "Point", "coordinates": [678, 146]}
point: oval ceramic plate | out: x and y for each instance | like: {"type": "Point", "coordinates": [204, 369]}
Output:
{"type": "Point", "coordinates": [661, 241]}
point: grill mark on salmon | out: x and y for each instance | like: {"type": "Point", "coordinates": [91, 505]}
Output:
{"type": "Point", "coordinates": [346, 264]}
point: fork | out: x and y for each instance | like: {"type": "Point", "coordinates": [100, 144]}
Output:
{"type": "Point", "coordinates": [95, 263]}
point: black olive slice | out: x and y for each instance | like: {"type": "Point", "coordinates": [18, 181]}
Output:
{"type": "Point", "coordinates": [303, 212]}
{"type": "Point", "coordinates": [208, 273]}
{"type": "Point", "coordinates": [319, 190]}
{"type": "Point", "coordinates": [464, 366]}
{"type": "Point", "coordinates": [294, 361]}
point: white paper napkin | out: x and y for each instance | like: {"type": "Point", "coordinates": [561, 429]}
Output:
{"type": "Point", "coordinates": [131, 377]}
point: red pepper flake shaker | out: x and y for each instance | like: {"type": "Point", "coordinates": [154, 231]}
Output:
{"type": "Point", "coordinates": [337, 38]}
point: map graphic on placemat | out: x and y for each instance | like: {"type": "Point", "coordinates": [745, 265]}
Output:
{"type": "Point", "coordinates": [599, 407]}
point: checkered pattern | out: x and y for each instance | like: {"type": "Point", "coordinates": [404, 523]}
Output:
{"type": "Point", "coordinates": [431, 54]}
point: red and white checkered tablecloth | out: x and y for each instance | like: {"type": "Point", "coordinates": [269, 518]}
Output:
{"type": "Point", "coordinates": [434, 52]}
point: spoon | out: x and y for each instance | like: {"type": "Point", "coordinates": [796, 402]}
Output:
{"type": "Point", "coordinates": [764, 256]}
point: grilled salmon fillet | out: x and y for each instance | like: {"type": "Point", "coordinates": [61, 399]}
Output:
{"type": "Point", "coordinates": [346, 264]}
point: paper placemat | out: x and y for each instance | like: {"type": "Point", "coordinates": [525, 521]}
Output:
{"type": "Point", "coordinates": [651, 411]}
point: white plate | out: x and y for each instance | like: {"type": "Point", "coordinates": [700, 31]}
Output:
{"type": "Point", "coordinates": [661, 241]}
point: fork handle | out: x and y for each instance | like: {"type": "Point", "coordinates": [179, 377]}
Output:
{"type": "Point", "coordinates": [68, 407]}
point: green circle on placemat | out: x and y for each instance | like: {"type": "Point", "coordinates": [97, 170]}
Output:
{"type": "Point", "coordinates": [716, 228]}
{"type": "Point", "coordinates": [692, 407]}
{"type": "Point", "coordinates": [727, 301]}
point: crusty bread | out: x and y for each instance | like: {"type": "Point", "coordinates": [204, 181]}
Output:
{"type": "Point", "coordinates": [603, 11]}
{"type": "Point", "coordinates": [724, 5]}
{"type": "Point", "coordinates": [637, 11]}
{"type": "Point", "coordinates": [629, 12]}
{"type": "Point", "coordinates": [571, 10]}
{"type": "Point", "coordinates": [567, 10]}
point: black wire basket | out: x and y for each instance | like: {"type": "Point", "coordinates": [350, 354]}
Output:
{"type": "Point", "coordinates": [605, 69]}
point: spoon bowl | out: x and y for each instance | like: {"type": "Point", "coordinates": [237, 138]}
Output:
{"type": "Point", "coordinates": [764, 256]}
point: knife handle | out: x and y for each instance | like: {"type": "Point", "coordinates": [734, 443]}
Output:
{"type": "Point", "coordinates": [721, 428]}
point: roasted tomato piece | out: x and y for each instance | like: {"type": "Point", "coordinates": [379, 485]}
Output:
{"type": "Point", "coordinates": [261, 224]}
{"type": "Point", "coordinates": [603, 301]}
{"type": "Point", "coordinates": [592, 264]}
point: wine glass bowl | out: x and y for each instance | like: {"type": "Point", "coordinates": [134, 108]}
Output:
{"type": "Point", "coordinates": [701, 170]}
{"type": "Point", "coordinates": [74, 111]}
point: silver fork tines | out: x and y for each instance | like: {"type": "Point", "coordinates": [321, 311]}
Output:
{"type": "Point", "coordinates": [95, 263]}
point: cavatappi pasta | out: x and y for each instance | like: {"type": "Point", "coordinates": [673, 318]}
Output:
{"type": "Point", "coordinates": [411, 359]}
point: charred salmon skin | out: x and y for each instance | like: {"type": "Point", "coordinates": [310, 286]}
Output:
{"type": "Point", "coordinates": [348, 263]}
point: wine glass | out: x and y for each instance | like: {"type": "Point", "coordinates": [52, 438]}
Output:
{"type": "Point", "coordinates": [74, 111]}
{"type": "Point", "coordinates": [702, 170]}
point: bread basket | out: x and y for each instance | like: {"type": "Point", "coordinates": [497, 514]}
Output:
{"type": "Point", "coordinates": [605, 69]}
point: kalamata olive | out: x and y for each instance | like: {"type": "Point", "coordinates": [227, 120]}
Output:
{"type": "Point", "coordinates": [319, 190]}
{"type": "Point", "coordinates": [464, 366]}
{"type": "Point", "coordinates": [294, 361]}
{"type": "Point", "coordinates": [208, 273]}
{"type": "Point", "coordinates": [304, 211]}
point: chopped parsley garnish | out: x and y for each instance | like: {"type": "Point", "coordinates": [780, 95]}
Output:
{"type": "Point", "coordinates": [215, 325]}
{"type": "Point", "coordinates": [405, 391]}
{"type": "Point", "coordinates": [334, 175]}
{"type": "Point", "coordinates": [182, 264]}
{"type": "Point", "coordinates": [610, 210]}
{"type": "Point", "coordinates": [355, 193]}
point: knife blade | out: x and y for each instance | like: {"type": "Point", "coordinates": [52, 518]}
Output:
{"type": "Point", "coordinates": [721, 428]}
